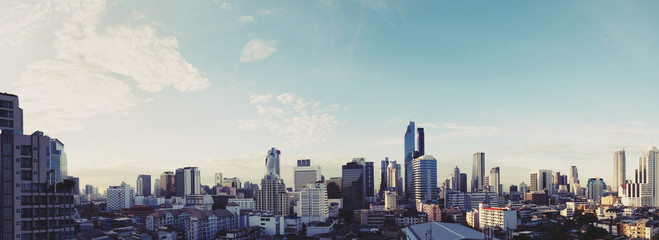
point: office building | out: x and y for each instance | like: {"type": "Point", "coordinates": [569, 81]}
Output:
{"type": "Point", "coordinates": [596, 188]}
{"type": "Point", "coordinates": [143, 185]}
{"type": "Point", "coordinates": [619, 169]}
{"type": "Point", "coordinates": [390, 199]}
{"type": "Point", "coordinates": [272, 195]}
{"type": "Point", "coordinates": [272, 160]}
{"type": "Point", "coordinates": [412, 149]}
{"type": "Point", "coordinates": [167, 184]}
{"type": "Point", "coordinates": [478, 172]}
{"type": "Point", "coordinates": [218, 179]}
{"type": "Point", "coordinates": [455, 179]}
{"type": "Point", "coordinates": [120, 197]}
{"type": "Point", "coordinates": [11, 115]}
{"type": "Point", "coordinates": [304, 174]}
{"type": "Point", "coordinates": [313, 204]}
{"type": "Point", "coordinates": [370, 179]}
{"type": "Point", "coordinates": [468, 201]}
{"type": "Point", "coordinates": [643, 190]}
{"type": "Point", "coordinates": [424, 184]}
{"type": "Point", "coordinates": [523, 189]}
{"type": "Point", "coordinates": [156, 188]}
{"type": "Point", "coordinates": [57, 161]}
{"type": "Point", "coordinates": [188, 181]}
{"type": "Point", "coordinates": [495, 181]}
{"type": "Point", "coordinates": [384, 173]}
{"type": "Point", "coordinates": [30, 194]}
{"type": "Point", "coordinates": [353, 184]}
{"type": "Point", "coordinates": [394, 177]}
{"type": "Point", "coordinates": [334, 188]}
{"type": "Point", "coordinates": [233, 182]}
{"type": "Point", "coordinates": [463, 182]}
{"type": "Point", "coordinates": [542, 181]}
{"type": "Point", "coordinates": [574, 180]}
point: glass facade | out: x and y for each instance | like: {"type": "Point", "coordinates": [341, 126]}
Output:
{"type": "Point", "coordinates": [353, 186]}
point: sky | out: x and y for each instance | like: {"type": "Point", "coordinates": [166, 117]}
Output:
{"type": "Point", "coordinates": [143, 87]}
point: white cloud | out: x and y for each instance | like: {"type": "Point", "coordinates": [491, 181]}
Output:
{"type": "Point", "coordinates": [270, 12]}
{"type": "Point", "coordinates": [92, 67]}
{"type": "Point", "coordinates": [246, 19]}
{"type": "Point", "coordinates": [223, 4]}
{"type": "Point", "coordinates": [258, 49]}
{"type": "Point", "coordinates": [301, 121]}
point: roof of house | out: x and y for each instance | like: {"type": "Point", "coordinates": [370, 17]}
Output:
{"type": "Point", "coordinates": [441, 230]}
{"type": "Point", "coordinates": [193, 212]}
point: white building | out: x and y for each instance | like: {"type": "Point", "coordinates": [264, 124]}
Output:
{"type": "Point", "coordinates": [304, 174]}
{"type": "Point", "coordinates": [195, 223]}
{"type": "Point", "coordinates": [188, 181]}
{"type": "Point", "coordinates": [502, 218]}
{"type": "Point", "coordinates": [218, 179]}
{"type": "Point", "coordinates": [619, 169]}
{"type": "Point", "coordinates": [495, 181]}
{"type": "Point", "coordinates": [390, 199]}
{"type": "Point", "coordinates": [542, 180]}
{"type": "Point", "coordinates": [272, 224]}
{"type": "Point", "coordinates": [244, 203]}
{"type": "Point", "coordinates": [313, 204]}
{"type": "Point", "coordinates": [596, 188]}
{"type": "Point", "coordinates": [424, 178]}
{"type": "Point", "coordinates": [120, 197]}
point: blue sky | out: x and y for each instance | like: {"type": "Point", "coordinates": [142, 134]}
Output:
{"type": "Point", "coordinates": [141, 87]}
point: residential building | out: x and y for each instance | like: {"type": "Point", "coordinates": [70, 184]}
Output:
{"type": "Point", "coordinates": [501, 218]}
{"type": "Point", "coordinates": [58, 160]}
{"type": "Point", "coordinates": [11, 115]}
{"type": "Point", "coordinates": [467, 201]}
{"type": "Point", "coordinates": [478, 172]}
{"type": "Point", "coordinates": [272, 224]}
{"type": "Point", "coordinates": [120, 197]}
{"type": "Point", "coordinates": [143, 185]}
{"type": "Point", "coordinates": [424, 184]}
{"type": "Point", "coordinates": [194, 223]}
{"type": "Point", "coordinates": [644, 189]}
{"type": "Point", "coordinates": [188, 181]}
{"type": "Point", "coordinates": [304, 174]}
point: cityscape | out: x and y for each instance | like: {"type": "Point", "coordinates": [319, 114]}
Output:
{"type": "Point", "coordinates": [329, 119]}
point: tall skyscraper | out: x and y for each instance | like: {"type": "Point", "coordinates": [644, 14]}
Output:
{"type": "Point", "coordinates": [478, 172]}
{"type": "Point", "coordinates": [353, 175]}
{"type": "Point", "coordinates": [143, 185]}
{"type": "Point", "coordinates": [156, 188]}
{"type": "Point", "coordinates": [187, 181]}
{"type": "Point", "coordinates": [646, 178]}
{"type": "Point", "coordinates": [424, 184]}
{"type": "Point", "coordinates": [455, 179]}
{"type": "Point", "coordinates": [272, 161]}
{"type": "Point", "coordinates": [11, 115]}
{"type": "Point", "coordinates": [412, 151]}
{"type": "Point", "coordinates": [542, 180]}
{"type": "Point", "coordinates": [370, 179]}
{"type": "Point", "coordinates": [120, 197]}
{"type": "Point", "coordinates": [384, 165]}
{"type": "Point", "coordinates": [495, 181]}
{"type": "Point", "coordinates": [304, 174]}
{"type": "Point", "coordinates": [57, 161]}
{"type": "Point", "coordinates": [334, 188]}
{"type": "Point", "coordinates": [463, 182]}
{"type": "Point", "coordinates": [167, 184]}
{"type": "Point", "coordinates": [596, 187]}
{"type": "Point", "coordinates": [218, 179]}
{"type": "Point", "coordinates": [574, 180]}
{"type": "Point", "coordinates": [619, 169]}
{"type": "Point", "coordinates": [523, 189]}
{"type": "Point", "coordinates": [393, 177]}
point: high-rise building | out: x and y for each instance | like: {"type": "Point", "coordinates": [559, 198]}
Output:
{"type": "Point", "coordinates": [596, 187]}
{"type": "Point", "coordinates": [478, 172]}
{"type": "Point", "coordinates": [420, 143]}
{"type": "Point", "coordinates": [413, 149]}
{"type": "Point", "coordinates": [384, 182]}
{"type": "Point", "coordinates": [272, 195]}
{"type": "Point", "coordinates": [304, 174]}
{"type": "Point", "coordinates": [424, 184]}
{"type": "Point", "coordinates": [645, 188]}
{"type": "Point", "coordinates": [233, 182]}
{"type": "Point", "coordinates": [353, 175]}
{"type": "Point", "coordinates": [218, 179]}
{"type": "Point", "coordinates": [495, 181]}
{"type": "Point", "coordinates": [542, 180]}
{"type": "Point", "coordinates": [370, 179]}
{"type": "Point", "coordinates": [272, 161]}
{"type": "Point", "coordinates": [390, 199]}
{"type": "Point", "coordinates": [313, 204]}
{"type": "Point", "coordinates": [143, 185]}
{"type": "Point", "coordinates": [11, 115]}
{"type": "Point", "coordinates": [188, 181]}
{"type": "Point", "coordinates": [574, 180]}
{"type": "Point", "coordinates": [619, 169]}
{"type": "Point", "coordinates": [30, 193]}
{"type": "Point", "coordinates": [463, 182]}
{"type": "Point", "coordinates": [394, 178]}
{"type": "Point", "coordinates": [167, 184]}
{"type": "Point", "coordinates": [156, 188]}
{"type": "Point", "coordinates": [120, 197]}
{"type": "Point", "coordinates": [334, 188]}
{"type": "Point", "coordinates": [455, 179]}
{"type": "Point", "coordinates": [523, 189]}
{"type": "Point", "coordinates": [57, 161]}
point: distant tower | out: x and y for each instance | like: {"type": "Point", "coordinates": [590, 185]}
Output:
{"type": "Point", "coordinates": [409, 157]}
{"type": "Point", "coordinates": [218, 179]}
{"type": "Point", "coordinates": [167, 184]}
{"type": "Point", "coordinates": [463, 182]}
{"type": "Point", "coordinates": [384, 165]}
{"type": "Point", "coordinates": [542, 180]}
{"type": "Point", "coordinates": [596, 187]}
{"type": "Point", "coordinates": [353, 184]}
{"type": "Point", "coordinates": [495, 181]}
{"type": "Point", "coordinates": [455, 179]}
{"type": "Point", "coordinates": [143, 185]}
{"type": "Point", "coordinates": [478, 172]}
{"type": "Point", "coordinates": [304, 174]}
{"type": "Point", "coordinates": [272, 161]}
{"type": "Point", "coordinates": [424, 183]}
{"type": "Point", "coordinates": [187, 181]}
{"type": "Point", "coordinates": [619, 169]}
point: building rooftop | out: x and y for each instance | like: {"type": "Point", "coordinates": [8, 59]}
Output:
{"type": "Point", "coordinates": [193, 212]}
{"type": "Point", "coordinates": [441, 230]}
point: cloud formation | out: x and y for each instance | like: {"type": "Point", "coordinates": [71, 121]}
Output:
{"type": "Point", "coordinates": [93, 66]}
{"type": "Point", "coordinates": [302, 121]}
{"type": "Point", "coordinates": [258, 49]}
{"type": "Point", "coordinates": [246, 19]}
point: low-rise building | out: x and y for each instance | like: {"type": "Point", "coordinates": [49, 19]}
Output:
{"type": "Point", "coordinates": [502, 218]}
{"type": "Point", "coordinates": [195, 223]}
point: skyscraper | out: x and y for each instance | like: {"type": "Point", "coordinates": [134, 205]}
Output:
{"type": "Point", "coordinates": [542, 180]}
{"type": "Point", "coordinates": [156, 188]}
{"type": "Point", "coordinates": [334, 188]}
{"type": "Point", "coordinates": [353, 184]}
{"type": "Point", "coordinates": [619, 169]}
{"type": "Point", "coordinates": [596, 187]}
{"type": "Point", "coordinates": [143, 185]}
{"type": "Point", "coordinates": [218, 179]}
{"type": "Point", "coordinates": [57, 161]}
{"type": "Point", "coordinates": [574, 180]}
{"type": "Point", "coordinates": [393, 177]}
{"type": "Point", "coordinates": [272, 161]}
{"type": "Point", "coordinates": [187, 181]}
{"type": "Point", "coordinates": [304, 174]}
{"type": "Point", "coordinates": [120, 197]}
{"type": "Point", "coordinates": [409, 157]}
{"type": "Point", "coordinates": [495, 181]}
{"type": "Point", "coordinates": [370, 179]}
{"type": "Point", "coordinates": [384, 165]}
{"type": "Point", "coordinates": [167, 184]}
{"type": "Point", "coordinates": [455, 179]}
{"type": "Point", "coordinates": [478, 172]}
{"type": "Point", "coordinates": [424, 184]}
{"type": "Point", "coordinates": [313, 204]}
{"type": "Point", "coordinates": [421, 145]}
{"type": "Point", "coordinates": [11, 115]}
{"type": "Point", "coordinates": [463, 182]}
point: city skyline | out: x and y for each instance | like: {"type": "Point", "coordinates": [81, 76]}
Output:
{"type": "Point", "coordinates": [567, 89]}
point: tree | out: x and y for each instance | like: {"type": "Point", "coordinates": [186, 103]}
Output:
{"type": "Point", "coordinates": [595, 233]}
{"type": "Point", "coordinates": [587, 218]}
